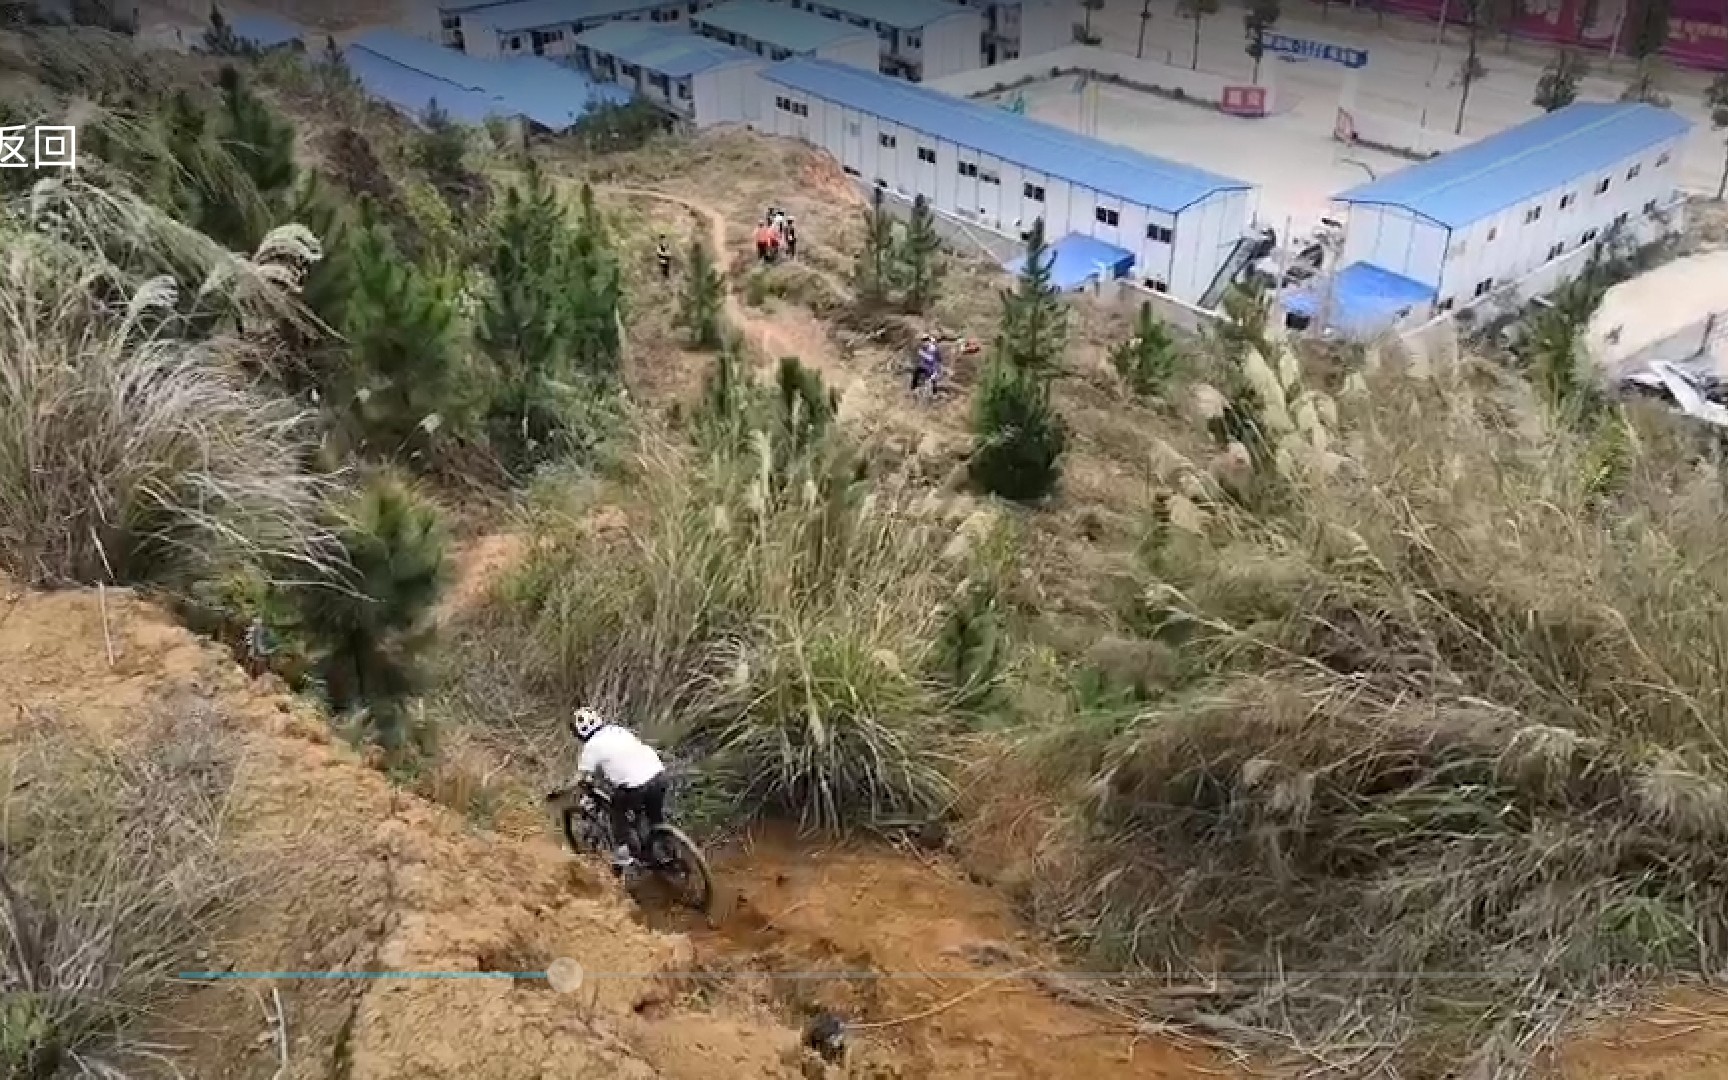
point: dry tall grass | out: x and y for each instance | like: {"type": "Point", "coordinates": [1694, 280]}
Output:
{"type": "Point", "coordinates": [1446, 757]}
{"type": "Point", "coordinates": [784, 617]}
{"type": "Point", "coordinates": [132, 445]}
{"type": "Point", "coordinates": [112, 875]}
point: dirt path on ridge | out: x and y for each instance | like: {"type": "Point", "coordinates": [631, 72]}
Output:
{"type": "Point", "coordinates": [771, 336]}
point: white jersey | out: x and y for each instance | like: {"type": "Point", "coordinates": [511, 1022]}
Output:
{"type": "Point", "coordinates": [622, 759]}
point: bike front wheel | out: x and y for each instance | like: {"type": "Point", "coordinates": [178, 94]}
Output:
{"type": "Point", "coordinates": [678, 862]}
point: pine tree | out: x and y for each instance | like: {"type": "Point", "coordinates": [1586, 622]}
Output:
{"type": "Point", "coordinates": [549, 323]}
{"type": "Point", "coordinates": [920, 258]}
{"type": "Point", "coordinates": [220, 39]}
{"type": "Point", "coordinates": [1558, 86]}
{"type": "Point", "coordinates": [1034, 329]}
{"type": "Point", "coordinates": [261, 142]}
{"type": "Point", "coordinates": [370, 627]}
{"type": "Point", "coordinates": [1148, 360]}
{"type": "Point", "coordinates": [873, 275]}
{"type": "Point", "coordinates": [404, 379]}
{"type": "Point", "coordinates": [442, 151]}
{"type": "Point", "coordinates": [702, 299]}
{"type": "Point", "coordinates": [1018, 438]}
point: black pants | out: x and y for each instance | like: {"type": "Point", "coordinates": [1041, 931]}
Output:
{"type": "Point", "coordinates": [647, 802]}
{"type": "Point", "coordinates": [665, 269]}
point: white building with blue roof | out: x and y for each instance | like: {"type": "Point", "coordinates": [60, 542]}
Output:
{"type": "Point", "coordinates": [411, 73]}
{"type": "Point", "coordinates": [1446, 233]}
{"type": "Point", "coordinates": [779, 32]}
{"type": "Point", "coordinates": [697, 78]}
{"type": "Point", "coordinates": [550, 27]}
{"type": "Point", "coordinates": [917, 39]}
{"type": "Point", "coordinates": [1172, 226]}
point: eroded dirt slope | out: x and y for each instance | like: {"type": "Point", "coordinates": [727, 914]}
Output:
{"type": "Point", "coordinates": [363, 877]}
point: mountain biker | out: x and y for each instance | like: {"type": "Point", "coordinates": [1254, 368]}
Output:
{"type": "Point", "coordinates": [630, 767]}
{"type": "Point", "coordinates": [928, 364]}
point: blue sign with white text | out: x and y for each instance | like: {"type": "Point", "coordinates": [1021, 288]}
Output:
{"type": "Point", "coordinates": [1316, 50]}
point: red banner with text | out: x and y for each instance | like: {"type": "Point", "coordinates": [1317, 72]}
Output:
{"type": "Point", "coordinates": [1697, 29]}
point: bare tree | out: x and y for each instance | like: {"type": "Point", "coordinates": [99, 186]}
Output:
{"type": "Point", "coordinates": [1260, 17]}
{"type": "Point", "coordinates": [1196, 10]}
{"type": "Point", "coordinates": [1716, 98]}
{"type": "Point", "coordinates": [1483, 16]}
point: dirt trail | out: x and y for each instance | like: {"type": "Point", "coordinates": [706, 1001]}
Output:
{"type": "Point", "coordinates": [936, 969]}
{"type": "Point", "coordinates": [785, 333]}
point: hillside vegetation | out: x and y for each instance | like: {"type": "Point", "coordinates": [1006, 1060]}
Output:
{"type": "Point", "coordinates": [1382, 695]}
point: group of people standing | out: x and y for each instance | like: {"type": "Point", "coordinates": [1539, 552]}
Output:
{"type": "Point", "coordinates": [777, 233]}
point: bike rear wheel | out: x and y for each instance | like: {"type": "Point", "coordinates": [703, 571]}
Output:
{"type": "Point", "coordinates": [678, 862]}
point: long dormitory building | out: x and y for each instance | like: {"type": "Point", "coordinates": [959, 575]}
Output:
{"type": "Point", "coordinates": [1179, 224]}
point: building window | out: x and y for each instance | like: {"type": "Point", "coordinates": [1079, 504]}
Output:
{"type": "Point", "coordinates": [886, 140]}
{"type": "Point", "coordinates": [1588, 237]}
{"type": "Point", "coordinates": [1632, 173]}
{"type": "Point", "coordinates": [1483, 286]}
{"type": "Point", "coordinates": [985, 176]}
{"type": "Point", "coordinates": [1568, 199]}
{"type": "Point", "coordinates": [1620, 219]}
{"type": "Point", "coordinates": [1033, 192]}
{"type": "Point", "coordinates": [925, 153]}
{"type": "Point", "coordinates": [914, 40]}
{"type": "Point", "coordinates": [1492, 233]}
{"type": "Point", "coordinates": [1532, 214]}
{"type": "Point", "coordinates": [1445, 305]}
{"type": "Point", "coordinates": [515, 41]}
{"type": "Point", "coordinates": [1556, 251]}
{"type": "Point", "coordinates": [1650, 208]}
{"type": "Point", "coordinates": [850, 171]}
{"type": "Point", "coordinates": [796, 108]}
{"type": "Point", "coordinates": [1158, 234]}
{"type": "Point", "coordinates": [1602, 187]}
{"type": "Point", "coordinates": [1107, 216]}
{"type": "Point", "coordinates": [852, 128]}
{"type": "Point", "coordinates": [1155, 285]}
{"type": "Point", "coordinates": [1663, 160]}
{"type": "Point", "coordinates": [664, 15]}
{"type": "Point", "coordinates": [968, 168]}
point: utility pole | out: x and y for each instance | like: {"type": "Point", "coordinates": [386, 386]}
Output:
{"type": "Point", "coordinates": [1145, 17]}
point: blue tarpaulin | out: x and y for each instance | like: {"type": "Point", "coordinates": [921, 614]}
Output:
{"type": "Point", "coordinates": [1365, 299]}
{"type": "Point", "coordinates": [1077, 259]}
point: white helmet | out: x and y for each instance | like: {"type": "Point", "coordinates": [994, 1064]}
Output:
{"type": "Point", "coordinates": [584, 722]}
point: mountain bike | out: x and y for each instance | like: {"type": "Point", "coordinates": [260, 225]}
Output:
{"type": "Point", "coordinates": [665, 851]}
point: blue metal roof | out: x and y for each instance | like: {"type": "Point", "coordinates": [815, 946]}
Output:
{"type": "Point", "coordinates": [1103, 167]}
{"type": "Point", "coordinates": [264, 30]}
{"type": "Point", "coordinates": [900, 14]}
{"type": "Point", "coordinates": [413, 91]}
{"type": "Point", "coordinates": [1076, 259]}
{"type": "Point", "coordinates": [675, 53]}
{"type": "Point", "coordinates": [549, 93]}
{"type": "Point", "coordinates": [426, 57]}
{"type": "Point", "coordinates": [1466, 185]}
{"type": "Point", "coordinates": [776, 24]}
{"type": "Point", "coordinates": [1365, 299]}
{"type": "Point", "coordinates": [472, 89]}
{"type": "Point", "coordinates": [535, 14]}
